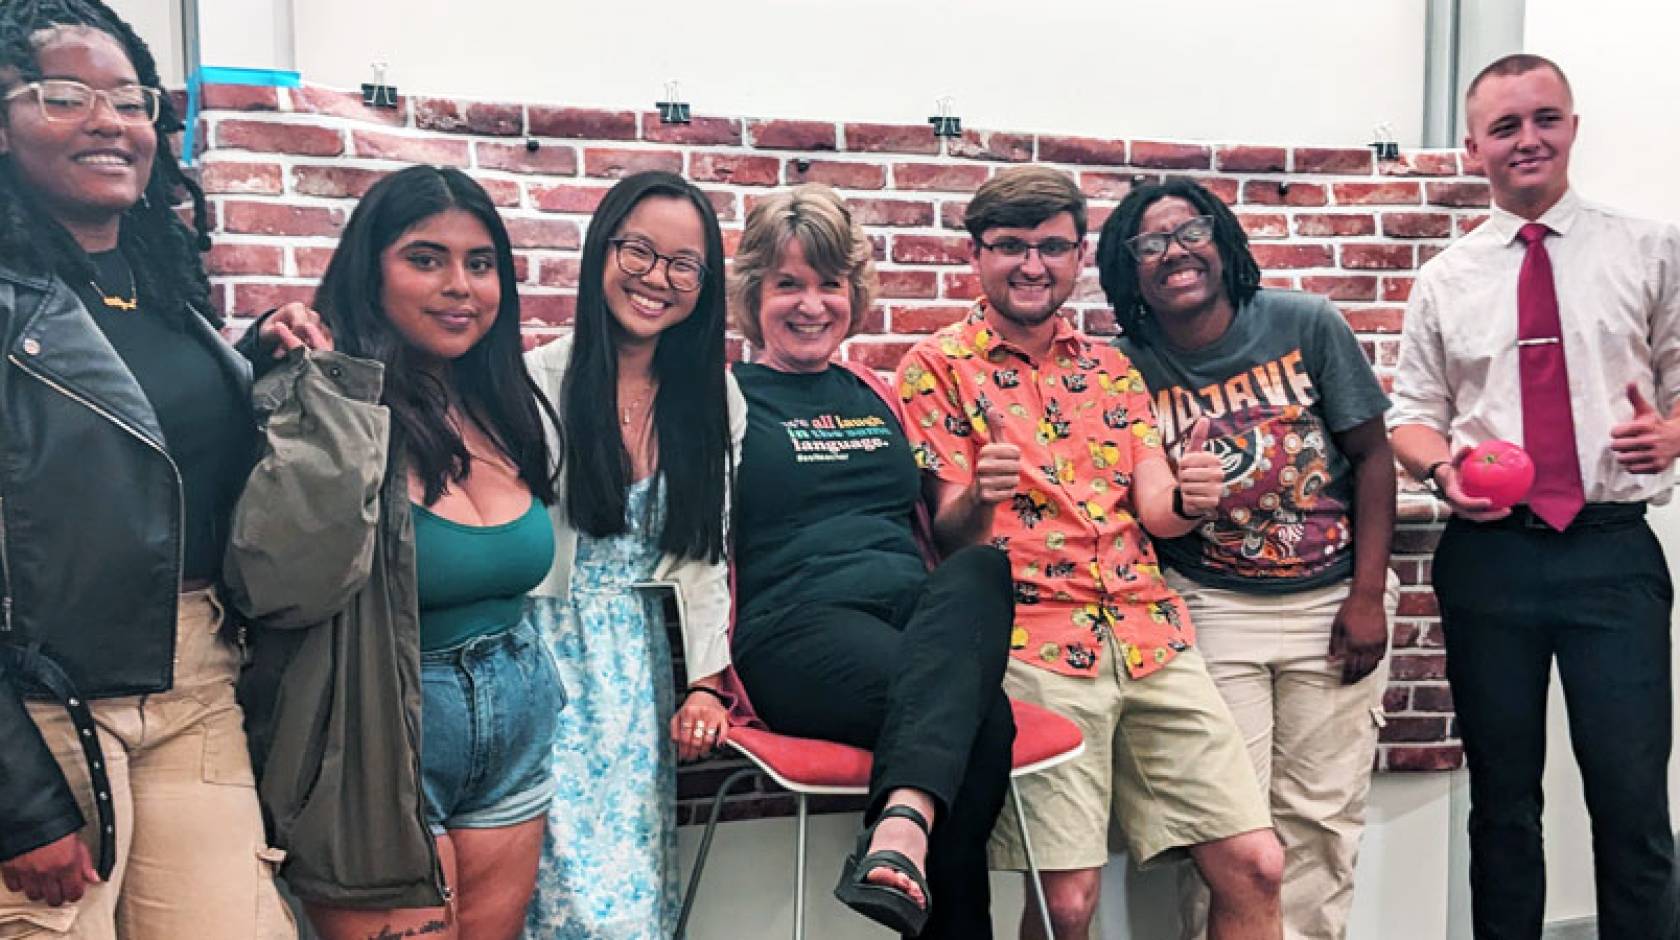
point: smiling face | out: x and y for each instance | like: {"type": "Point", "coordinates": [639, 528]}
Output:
{"type": "Point", "coordinates": [1521, 129]}
{"type": "Point", "coordinates": [441, 286]}
{"type": "Point", "coordinates": [802, 313]}
{"type": "Point", "coordinates": [1179, 282]}
{"type": "Point", "coordinates": [86, 173]}
{"type": "Point", "coordinates": [646, 305]}
{"type": "Point", "coordinates": [1028, 290]}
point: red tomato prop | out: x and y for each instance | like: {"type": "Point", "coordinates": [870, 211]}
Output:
{"type": "Point", "coordinates": [1498, 471]}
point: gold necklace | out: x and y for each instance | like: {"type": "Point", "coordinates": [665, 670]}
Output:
{"type": "Point", "coordinates": [627, 412]}
{"type": "Point", "coordinates": [131, 302]}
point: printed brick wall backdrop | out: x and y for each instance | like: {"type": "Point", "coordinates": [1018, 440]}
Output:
{"type": "Point", "coordinates": [283, 169]}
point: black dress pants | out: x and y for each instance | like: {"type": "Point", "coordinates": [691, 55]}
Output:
{"type": "Point", "coordinates": [1597, 599]}
{"type": "Point", "coordinates": [921, 687]}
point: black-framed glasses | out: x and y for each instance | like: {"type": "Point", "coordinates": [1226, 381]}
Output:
{"type": "Point", "coordinates": [637, 258]}
{"type": "Point", "coordinates": [1016, 249]}
{"type": "Point", "coordinates": [63, 101]}
{"type": "Point", "coordinates": [1192, 234]}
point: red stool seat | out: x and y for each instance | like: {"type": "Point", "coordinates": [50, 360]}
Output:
{"type": "Point", "coordinates": [1042, 738]}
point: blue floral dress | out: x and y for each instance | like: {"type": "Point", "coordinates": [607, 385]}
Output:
{"type": "Point", "coordinates": [609, 862]}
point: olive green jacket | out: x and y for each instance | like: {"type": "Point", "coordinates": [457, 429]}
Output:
{"type": "Point", "coordinates": [321, 559]}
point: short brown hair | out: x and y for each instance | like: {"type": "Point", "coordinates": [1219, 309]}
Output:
{"type": "Point", "coordinates": [1517, 63]}
{"type": "Point", "coordinates": [1024, 197]}
{"type": "Point", "coordinates": [834, 245]}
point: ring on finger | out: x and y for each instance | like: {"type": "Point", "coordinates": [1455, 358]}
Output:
{"type": "Point", "coordinates": [699, 731]}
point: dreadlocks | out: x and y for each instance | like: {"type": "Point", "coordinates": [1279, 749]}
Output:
{"type": "Point", "coordinates": [159, 247]}
{"type": "Point", "coordinates": [1117, 269]}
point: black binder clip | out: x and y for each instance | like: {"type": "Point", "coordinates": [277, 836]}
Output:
{"type": "Point", "coordinates": [672, 110]}
{"type": "Point", "coordinates": [379, 93]}
{"type": "Point", "coordinates": [946, 126]}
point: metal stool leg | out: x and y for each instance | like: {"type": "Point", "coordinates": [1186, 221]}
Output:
{"type": "Point", "coordinates": [799, 875]}
{"type": "Point", "coordinates": [706, 846]}
{"type": "Point", "coordinates": [1032, 863]}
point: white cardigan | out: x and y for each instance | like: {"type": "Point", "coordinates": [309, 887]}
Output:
{"type": "Point", "coordinates": [701, 588]}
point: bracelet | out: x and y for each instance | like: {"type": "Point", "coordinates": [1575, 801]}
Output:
{"type": "Point", "coordinates": [1429, 480]}
{"type": "Point", "coordinates": [714, 693]}
{"type": "Point", "coordinates": [1178, 506]}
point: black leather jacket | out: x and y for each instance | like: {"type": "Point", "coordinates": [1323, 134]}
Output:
{"type": "Point", "coordinates": [90, 532]}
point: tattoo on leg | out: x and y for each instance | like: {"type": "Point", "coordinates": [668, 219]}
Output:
{"type": "Point", "coordinates": [388, 932]}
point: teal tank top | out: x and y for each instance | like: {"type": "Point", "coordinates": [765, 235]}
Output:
{"type": "Point", "coordinates": [473, 579]}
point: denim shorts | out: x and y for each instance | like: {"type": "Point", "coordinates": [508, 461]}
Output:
{"type": "Point", "coordinates": [489, 709]}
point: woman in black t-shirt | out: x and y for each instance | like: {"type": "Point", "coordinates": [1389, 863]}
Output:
{"type": "Point", "coordinates": [842, 633]}
{"type": "Point", "coordinates": [125, 434]}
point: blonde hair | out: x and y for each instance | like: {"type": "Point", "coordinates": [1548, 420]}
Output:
{"type": "Point", "coordinates": [834, 245]}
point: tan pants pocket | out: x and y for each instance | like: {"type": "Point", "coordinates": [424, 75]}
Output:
{"type": "Point", "coordinates": [274, 918]}
{"type": "Point", "coordinates": [20, 919]}
{"type": "Point", "coordinates": [226, 759]}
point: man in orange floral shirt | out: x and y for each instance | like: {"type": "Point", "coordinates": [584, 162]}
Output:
{"type": "Point", "coordinates": [1044, 443]}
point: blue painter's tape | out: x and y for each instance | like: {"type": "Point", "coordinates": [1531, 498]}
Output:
{"type": "Point", "coordinates": [226, 75]}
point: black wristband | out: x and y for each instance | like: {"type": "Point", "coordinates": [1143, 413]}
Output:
{"type": "Point", "coordinates": [1178, 506]}
{"type": "Point", "coordinates": [1429, 480]}
{"type": "Point", "coordinates": [714, 693]}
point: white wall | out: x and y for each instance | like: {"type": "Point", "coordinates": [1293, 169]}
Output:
{"type": "Point", "coordinates": [1297, 71]}
{"type": "Point", "coordinates": [158, 23]}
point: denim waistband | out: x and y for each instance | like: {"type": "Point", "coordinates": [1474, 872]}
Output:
{"type": "Point", "coordinates": [515, 637]}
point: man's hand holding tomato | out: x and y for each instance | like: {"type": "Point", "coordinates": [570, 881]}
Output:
{"type": "Point", "coordinates": [1649, 443]}
{"type": "Point", "coordinates": [1448, 477]}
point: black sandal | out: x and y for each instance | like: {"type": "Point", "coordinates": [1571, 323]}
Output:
{"type": "Point", "coordinates": [889, 907]}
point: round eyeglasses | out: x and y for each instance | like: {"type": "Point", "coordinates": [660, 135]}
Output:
{"type": "Point", "coordinates": [1191, 234]}
{"type": "Point", "coordinates": [638, 259]}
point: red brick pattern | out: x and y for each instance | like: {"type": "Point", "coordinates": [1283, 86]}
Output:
{"type": "Point", "coordinates": [283, 168]}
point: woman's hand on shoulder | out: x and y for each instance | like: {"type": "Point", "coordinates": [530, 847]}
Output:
{"type": "Point", "coordinates": [294, 326]}
{"type": "Point", "coordinates": [700, 726]}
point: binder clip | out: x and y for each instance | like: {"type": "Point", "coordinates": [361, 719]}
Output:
{"type": "Point", "coordinates": [946, 126]}
{"type": "Point", "coordinates": [379, 93]}
{"type": "Point", "coordinates": [672, 110]}
{"type": "Point", "coordinates": [1385, 146]}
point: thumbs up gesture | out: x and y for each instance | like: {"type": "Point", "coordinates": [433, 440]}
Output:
{"type": "Point", "coordinates": [1648, 443]}
{"type": "Point", "coordinates": [997, 470]}
{"type": "Point", "coordinates": [1201, 478]}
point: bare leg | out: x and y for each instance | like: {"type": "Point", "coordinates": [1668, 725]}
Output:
{"type": "Point", "coordinates": [1072, 896]}
{"type": "Point", "coordinates": [340, 923]}
{"type": "Point", "coordinates": [1244, 874]}
{"type": "Point", "coordinates": [498, 872]}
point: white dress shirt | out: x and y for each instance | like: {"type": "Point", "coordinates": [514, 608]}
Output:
{"type": "Point", "coordinates": [1618, 289]}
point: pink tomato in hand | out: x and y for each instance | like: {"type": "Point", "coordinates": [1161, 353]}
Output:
{"type": "Point", "coordinates": [1497, 471]}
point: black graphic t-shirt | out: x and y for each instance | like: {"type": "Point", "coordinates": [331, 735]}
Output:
{"type": "Point", "coordinates": [825, 495]}
{"type": "Point", "coordinates": [1285, 378]}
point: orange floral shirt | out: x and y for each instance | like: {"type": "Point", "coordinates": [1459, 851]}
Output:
{"type": "Point", "coordinates": [1083, 565]}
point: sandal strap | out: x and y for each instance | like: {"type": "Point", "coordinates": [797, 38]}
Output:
{"type": "Point", "coordinates": [903, 811]}
{"type": "Point", "coordinates": [897, 861]}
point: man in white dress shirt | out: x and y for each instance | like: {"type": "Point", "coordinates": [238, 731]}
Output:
{"type": "Point", "coordinates": [1555, 324]}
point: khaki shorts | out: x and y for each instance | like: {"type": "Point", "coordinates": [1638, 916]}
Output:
{"type": "Point", "coordinates": [1164, 765]}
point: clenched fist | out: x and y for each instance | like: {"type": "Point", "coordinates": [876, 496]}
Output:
{"type": "Point", "coordinates": [1201, 478]}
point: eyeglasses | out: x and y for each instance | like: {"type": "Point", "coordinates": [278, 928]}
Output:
{"type": "Point", "coordinates": [1016, 249]}
{"type": "Point", "coordinates": [64, 101]}
{"type": "Point", "coordinates": [1191, 234]}
{"type": "Point", "coordinates": [637, 258]}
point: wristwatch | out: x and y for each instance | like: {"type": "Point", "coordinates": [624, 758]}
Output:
{"type": "Point", "coordinates": [1429, 481]}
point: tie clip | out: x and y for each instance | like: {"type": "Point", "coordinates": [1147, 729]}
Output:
{"type": "Point", "coordinates": [1539, 341]}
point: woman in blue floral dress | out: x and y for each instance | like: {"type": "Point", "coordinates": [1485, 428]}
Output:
{"type": "Point", "coordinates": [642, 378]}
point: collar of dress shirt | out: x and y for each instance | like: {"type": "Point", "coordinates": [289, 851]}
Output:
{"type": "Point", "coordinates": [1560, 218]}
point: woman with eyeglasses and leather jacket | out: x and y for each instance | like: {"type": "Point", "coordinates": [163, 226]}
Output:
{"type": "Point", "coordinates": [127, 806]}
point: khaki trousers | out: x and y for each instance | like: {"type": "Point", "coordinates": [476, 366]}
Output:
{"type": "Point", "coordinates": [1312, 740]}
{"type": "Point", "coordinates": [191, 856]}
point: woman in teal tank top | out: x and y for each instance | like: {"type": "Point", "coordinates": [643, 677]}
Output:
{"type": "Point", "coordinates": [423, 284]}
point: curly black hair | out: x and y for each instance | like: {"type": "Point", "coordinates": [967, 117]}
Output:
{"type": "Point", "coordinates": [161, 249]}
{"type": "Point", "coordinates": [1117, 269]}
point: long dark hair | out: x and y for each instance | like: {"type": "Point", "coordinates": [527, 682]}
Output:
{"type": "Point", "coordinates": [690, 412]}
{"type": "Point", "coordinates": [495, 391]}
{"type": "Point", "coordinates": [1117, 269]}
{"type": "Point", "coordinates": [162, 251]}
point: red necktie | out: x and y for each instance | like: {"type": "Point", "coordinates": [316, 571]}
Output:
{"type": "Point", "coordinates": [1548, 422]}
